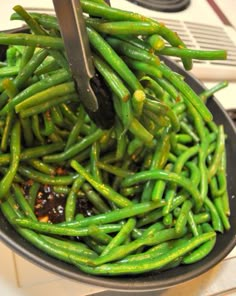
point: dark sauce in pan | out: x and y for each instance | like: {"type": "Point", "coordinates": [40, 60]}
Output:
{"type": "Point", "coordinates": [50, 206]}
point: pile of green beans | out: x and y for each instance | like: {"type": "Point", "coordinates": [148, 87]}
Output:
{"type": "Point", "coordinates": [155, 181]}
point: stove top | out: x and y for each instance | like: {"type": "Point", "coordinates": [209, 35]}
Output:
{"type": "Point", "coordinates": [163, 5]}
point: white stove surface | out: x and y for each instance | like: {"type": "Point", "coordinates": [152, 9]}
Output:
{"type": "Point", "coordinates": [19, 277]}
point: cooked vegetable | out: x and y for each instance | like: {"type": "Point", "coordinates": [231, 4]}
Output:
{"type": "Point", "coordinates": [150, 193]}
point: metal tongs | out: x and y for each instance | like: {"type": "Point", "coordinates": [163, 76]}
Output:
{"type": "Point", "coordinates": [91, 87]}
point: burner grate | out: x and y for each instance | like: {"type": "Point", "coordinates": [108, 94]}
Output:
{"type": "Point", "coordinates": [163, 5]}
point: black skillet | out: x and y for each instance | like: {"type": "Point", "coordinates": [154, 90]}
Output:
{"type": "Point", "coordinates": [155, 280]}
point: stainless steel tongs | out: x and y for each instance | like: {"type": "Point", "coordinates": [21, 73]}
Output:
{"type": "Point", "coordinates": [92, 90]}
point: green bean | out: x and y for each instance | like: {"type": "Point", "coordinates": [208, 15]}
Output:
{"type": "Point", "coordinates": [216, 221]}
{"type": "Point", "coordinates": [179, 164]}
{"type": "Point", "coordinates": [209, 92]}
{"type": "Point", "coordinates": [95, 199]}
{"type": "Point", "coordinates": [15, 148]}
{"type": "Point", "coordinates": [170, 89]}
{"type": "Point", "coordinates": [9, 71]}
{"type": "Point", "coordinates": [148, 69]}
{"type": "Point", "coordinates": [188, 130]}
{"type": "Point", "coordinates": [11, 54]}
{"type": "Point", "coordinates": [36, 29]}
{"type": "Point", "coordinates": [31, 40]}
{"type": "Point", "coordinates": [156, 42]}
{"type": "Point", "coordinates": [159, 186]}
{"type": "Point", "coordinates": [167, 176]}
{"type": "Point", "coordinates": [158, 161]}
{"type": "Point", "coordinates": [43, 107]}
{"type": "Point", "coordinates": [149, 264]}
{"type": "Point", "coordinates": [225, 201]}
{"type": "Point", "coordinates": [99, 235]}
{"type": "Point", "coordinates": [44, 227]}
{"type": "Point", "coordinates": [116, 215]}
{"type": "Point", "coordinates": [36, 129]}
{"type": "Point", "coordinates": [195, 175]}
{"type": "Point", "coordinates": [122, 251]}
{"type": "Point", "coordinates": [33, 192]}
{"type": "Point", "coordinates": [202, 166]}
{"type": "Point", "coordinates": [7, 130]}
{"type": "Point", "coordinates": [120, 237]}
{"type": "Point", "coordinates": [28, 53]}
{"type": "Point", "coordinates": [168, 220]}
{"type": "Point", "coordinates": [140, 131]}
{"type": "Point", "coordinates": [218, 202]}
{"type": "Point", "coordinates": [112, 59]}
{"type": "Point", "coordinates": [28, 71]}
{"type": "Point", "coordinates": [42, 167]}
{"type": "Point", "coordinates": [159, 172]}
{"type": "Point", "coordinates": [183, 216]}
{"type": "Point", "coordinates": [61, 190]}
{"type": "Point", "coordinates": [33, 152]}
{"type": "Point", "coordinates": [192, 224]}
{"type": "Point", "coordinates": [38, 242]}
{"type": "Point", "coordinates": [46, 179]}
{"type": "Point", "coordinates": [10, 88]}
{"type": "Point", "coordinates": [156, 214]}
{"type": "Point", "coordinates": [103, 189]}
{"type": "Point", "coordinates": [113, 169]}
{"type": "Point", "coordinates": [23, 203]}
{"type": "Point", "coordinates": [112, 79]}
{"type": "Point", "coordinates": [194, 53]}
{"type": "Point", "coordinates": [56, 115]}
{"type": "Point", "coordinates": [218, 153]}
{"type": "Point", "coordinates": [27, 131]}
{"type": "Point", "coordinates": [162, 108]}
{"type": "Point", "coordinates": [70, 206]}
{"type": "Point", "coordinates": [148, 82]}
{"type": "Point", "coordinates": [203, 250]}
{"type": "Point", "coordinates": [93, 245]}
{"type": "Point", "coordinates": [202, 217]}
{"type": "Point", "coordinates": [45, 95]}
{"type": "Point", "coordinates": [124, 48]}
{"type": "Point", "coordinates": [190, 95]}
{"type": "Point", "coordinates": [138, 100]}
{"type": "Point", "coordinates": [47, 21]}
{"type": "Point", "coordinates": [70, 246]}
{"type": "Point", "coordinates": [75, 149]}
{"type": "Point", "coordinates": [221, 179]}
{"type": "Point", "coordinates": [119, 15]}
{"type": "Point", "coordinates": [59, 77]}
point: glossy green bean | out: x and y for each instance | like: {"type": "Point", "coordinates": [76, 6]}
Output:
{"type": "Point", "coordinates": [59, 77]}
{"type": "Point", "coordinates": [203, 250]}
{"type": "Point", "coordinates": [112, 59]}
{"type": "Point", "coordinates": [94, 198]}
{"type": "Point", "coordinates": [116, 215]}
{"type": "Point", "coordinates": [75, 149]}
{"type": "Point", "coordinates": [127, 49]}
{"type": "Point", "coordinates": [149, 264]}
{"type": "Point", "coordinates": [15, 148]}
{"type": "Point", "coordinates": [167, 176]}
{"type": "Point", "coordinates": [120, 237]}
{"type": "Point", "coordinates": [103, 189]}
{"type": "Point", "coordinates": [194, 53]}
{"type": "Point", "coordinates": [187, 91]}
{"type": "Point", "coordinates": [122, 251]}
{"type": "Point", "coordinates": [112, 79]}
{"type": "Point", "coordinates": [183, 216]}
